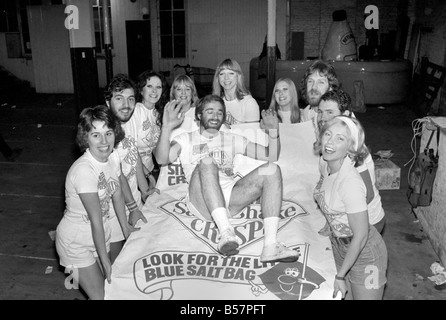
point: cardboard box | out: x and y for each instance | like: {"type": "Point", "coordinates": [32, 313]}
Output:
{"type": "Point", "coordinates": [387, 174]}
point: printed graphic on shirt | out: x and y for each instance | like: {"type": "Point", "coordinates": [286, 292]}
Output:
{"type": "Point", "coordinates": [130, 158]}
{"type": "Point", "coordinates": [152, 133]}
{"type": "Point", "coordinates": [230, 119]}
{"type": "Point", "coordinates": [106, 189]}
{"type": "Point", "coordinates": [222, 156]}
{"type": "Point", "coordinates": [339, 228]}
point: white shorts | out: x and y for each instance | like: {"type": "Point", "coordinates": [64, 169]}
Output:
{"type": "Point", "coordinates": [74, 243]}
{"type": "Point", "coordinates": [226, 187]}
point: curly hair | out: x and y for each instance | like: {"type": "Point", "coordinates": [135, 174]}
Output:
{"type": "Point", "coordinates": [159, 106]}
{"type": "Point", "coordinates": [119, 83]}
{"type": "Point", "coordinates": [97, 113]}
{"type": "Point", "coordinates": [342, 99]}
{"type": "Point", "coordinates": [325, 70]}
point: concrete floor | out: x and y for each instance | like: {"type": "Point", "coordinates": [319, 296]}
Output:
{"type": "Point", "coordinates": [32, 200]}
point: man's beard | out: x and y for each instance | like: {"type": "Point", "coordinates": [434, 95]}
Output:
{"type": "Point", "coordinates": [121, 117]}
{"type": "Point", "coordinates": [313, 98]}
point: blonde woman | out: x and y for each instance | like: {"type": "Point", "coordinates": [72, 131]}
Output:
{"type": "Point", "coordinates": [184, 91]}
{"type": "Point", "coordinates": [359, 250]}
{"type": "Point", "coordinates": [285, 101]}
{"type": "Point", "coordinates": [228, 84]}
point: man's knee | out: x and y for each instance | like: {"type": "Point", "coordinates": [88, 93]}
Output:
{"type": "Point", "coordinates": [270, 170]}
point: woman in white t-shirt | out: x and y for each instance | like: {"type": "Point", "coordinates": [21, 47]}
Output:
{"type": "Point", "coordinates": [229, 84]}
{"type": "Point", "coordinates": [153, 95]}
{"type": "Point", "coordinates": [92, 184]}
{"type": "Point", "coordinates": [359, 250]}
{"type": "Point", "coordinates": [183, 90]}
{"type": "Point", "coordinates": [285, 101]}
{"type": "Point", "coordinates": [335, 103]}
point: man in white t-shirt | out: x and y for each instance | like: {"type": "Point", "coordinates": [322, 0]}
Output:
{"type": "Point", "coordinates": [214, 194]}
{"type": "Point", "coordinates": [319, 78]}
{"type": "Point", "coordinates": [120, 98]}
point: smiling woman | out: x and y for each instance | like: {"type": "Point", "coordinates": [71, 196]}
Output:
{"type": "Point", "coordinates": [92, 183]}
{"type": "Point", "coordinates": [359, 250]}
{"type": "Point", "coordinates": [229, 84]}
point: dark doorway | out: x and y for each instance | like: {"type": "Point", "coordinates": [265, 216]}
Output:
{"type": "Point", "coordinates": [139, 47]}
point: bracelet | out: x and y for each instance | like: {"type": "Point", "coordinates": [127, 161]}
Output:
{"type": "Point", "coordinates": [277, 137]}
{"type": "Point", "coordinates": [132, 206]}
{"type": "Point", "coordinates": [339, 278]}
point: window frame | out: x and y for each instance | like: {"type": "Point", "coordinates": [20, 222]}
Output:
{"type": "Point", "coordinates": [174, 35]}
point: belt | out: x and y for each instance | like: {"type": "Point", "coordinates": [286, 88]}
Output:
{"type": "Point", "coordinates": [343, 240]}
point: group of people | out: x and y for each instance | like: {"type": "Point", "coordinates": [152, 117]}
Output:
{"type": "Point", "coordinates": [146, 125]}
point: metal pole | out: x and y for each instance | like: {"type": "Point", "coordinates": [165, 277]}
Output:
{"type": "Point", "coordinates": [107, 41]}
{"type": "Point", "coordinates": [271, 46]}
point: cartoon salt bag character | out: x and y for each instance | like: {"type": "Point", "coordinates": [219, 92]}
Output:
{"type": "Point", "coordinates": [340, 44]}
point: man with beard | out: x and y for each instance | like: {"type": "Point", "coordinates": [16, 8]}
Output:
{"type": "Point", "coordinates": [120, 98]}
{"type": "Point", "coordinates": [319, 78]}
{"type": "Point", "coordinates": [214, 194]}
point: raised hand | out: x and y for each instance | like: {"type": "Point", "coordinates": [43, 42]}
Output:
{"type": "Point", "coordinates": [173, 115]}
{"type": "Point", "coordinates": [269, 120]}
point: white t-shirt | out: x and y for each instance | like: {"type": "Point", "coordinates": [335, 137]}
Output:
{"type": "Point", "coordinates": [88, 175]}
{"type": "Point", "coordinates": [148, 134]}
{"type": "Point", "coordinates": [376, 211]}
{"type": "Point", "coordinates": [242, 111]}
{"type": "Point", "coordinates": [222, 148]}
{"type": "Point", "coordinates": [128, 153]}
{"type": "Point", "coordinates": [340, 194]}
{"type": "Point", "coordinates": [285, 116]}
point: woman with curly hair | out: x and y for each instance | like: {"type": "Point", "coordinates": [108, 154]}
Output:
{"type": "Point", "coordinates": [92, 184]}
{"type": "Point", "coordinates": [153, 92]}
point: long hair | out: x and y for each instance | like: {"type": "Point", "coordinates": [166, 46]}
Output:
{"type": "Point", "coordinates": [230, 64]}
{"type": "Point", "coordinates": [164, 98]}
{"type": "Point", "coordinates": [295, 110]}
{"type": "Point", "coordinates": [188, 82]}
{"type": "Point", "coordinates": [119, 83]}
{"type": "Point", "coordinates": [98, 113]}
{"type": "Point", "coordinates": [357, 155]}
{"type": "Point", "coordinates": [324, 69]}
{"type": "Point", "coordinates": [208, 99]}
